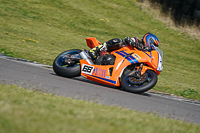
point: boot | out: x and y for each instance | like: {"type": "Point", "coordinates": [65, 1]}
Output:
{"type": "Point", "coordinates": [94, 53]}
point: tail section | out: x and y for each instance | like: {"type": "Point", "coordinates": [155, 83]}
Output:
{"type": "Point", "coordinates": [92, 42]}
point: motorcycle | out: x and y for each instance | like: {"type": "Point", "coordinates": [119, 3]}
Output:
{"type": "Point", "coordinates": [131, 69]}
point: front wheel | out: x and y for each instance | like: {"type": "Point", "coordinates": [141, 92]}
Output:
{"type": "Point", "coordinates": [131, 84]}
{"type": "Point", "coordinates": [67, 64]}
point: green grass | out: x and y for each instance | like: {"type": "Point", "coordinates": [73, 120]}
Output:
{"type": "Point", "coordinates": [26, 111]}
{"type": "Point", "coordinates": [41, 29]}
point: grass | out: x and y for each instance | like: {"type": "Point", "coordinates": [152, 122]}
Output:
{"type": "Point", "coordinates": [26, 111]}
{"type": "Point", "coordinates": [39, 30]}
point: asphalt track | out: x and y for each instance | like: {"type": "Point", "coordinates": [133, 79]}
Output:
{"type": "Point", "coordinates": [38, 76]}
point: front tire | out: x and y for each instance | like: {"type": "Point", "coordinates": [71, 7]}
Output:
{"type": "Point", "coordinates": [61, 68]}
{"type": "Point", "coordinates": [147, 81]}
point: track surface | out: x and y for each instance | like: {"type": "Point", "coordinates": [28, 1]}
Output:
{"type": "Point", "coordinates": [35, 76]}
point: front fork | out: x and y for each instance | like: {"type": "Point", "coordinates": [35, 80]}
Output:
{"type": "Point", "coordinates": [137, 72]}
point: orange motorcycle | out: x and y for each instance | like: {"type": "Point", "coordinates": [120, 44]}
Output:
{"type": "Point", "coordinates": [131, 69]}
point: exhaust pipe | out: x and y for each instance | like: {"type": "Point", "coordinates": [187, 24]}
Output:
{"type": "Point", "coordinates": [86, 57]}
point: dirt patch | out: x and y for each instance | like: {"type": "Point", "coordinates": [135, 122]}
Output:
{"type": "Point", "coordinates": [155, 9]}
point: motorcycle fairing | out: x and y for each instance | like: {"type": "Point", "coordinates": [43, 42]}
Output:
{"type": "Point", "coordinates": [136, 56]}
{"type": "Point", "coordinates": [102, 73]}
{"type": "Point", "coordinates": [98, 73]}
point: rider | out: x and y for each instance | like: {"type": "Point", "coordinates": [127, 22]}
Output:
{"type": "Point", "coordinates": [133, 42]}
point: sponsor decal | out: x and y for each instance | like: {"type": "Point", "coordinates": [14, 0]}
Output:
{"type": "Point", "coordinates": [99, 72]}
{"type": "Point", "coordinates": [91, 44]}
{"type": "Point", "coordinates": [108, 77]}
{"type": "Point", "coordinates": [136, 56]}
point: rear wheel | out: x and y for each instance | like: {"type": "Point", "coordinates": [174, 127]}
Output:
{"type": "Point", "coordinates": [67, 64]}
{"type": "Point", "coordinates": [139, 85]}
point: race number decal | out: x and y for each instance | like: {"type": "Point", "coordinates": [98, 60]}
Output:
{"type": "Point", "coordinates": [87, 69]}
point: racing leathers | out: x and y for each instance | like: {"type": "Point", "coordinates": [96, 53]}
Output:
{"type": "Point", "coordinates": [115, 44]}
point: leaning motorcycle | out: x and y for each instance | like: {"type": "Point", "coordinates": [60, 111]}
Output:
{"type": "Point", "coordinates": [132, 70]}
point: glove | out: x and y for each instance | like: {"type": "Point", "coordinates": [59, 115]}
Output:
{"type": "Point", "coordinates": [134, 41]}
{"type": "Point", "coordinates": [139, 46]}
{"type": "Point", "coordinates": [127, 40]}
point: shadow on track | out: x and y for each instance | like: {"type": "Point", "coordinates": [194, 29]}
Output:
{"type": "Point", "coordinates": [80, 78]}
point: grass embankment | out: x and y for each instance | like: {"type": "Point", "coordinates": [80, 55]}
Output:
{"type": "Point", "coordinates": [40, 29]}
{"type": "Point", "coordinates": [25, 111]}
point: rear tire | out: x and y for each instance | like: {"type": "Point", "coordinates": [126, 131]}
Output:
{"type": "Point", "coordinates": [67, 71]}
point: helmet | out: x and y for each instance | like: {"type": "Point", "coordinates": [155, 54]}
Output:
{"type": "Point", "coordinates": [149, 39]}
